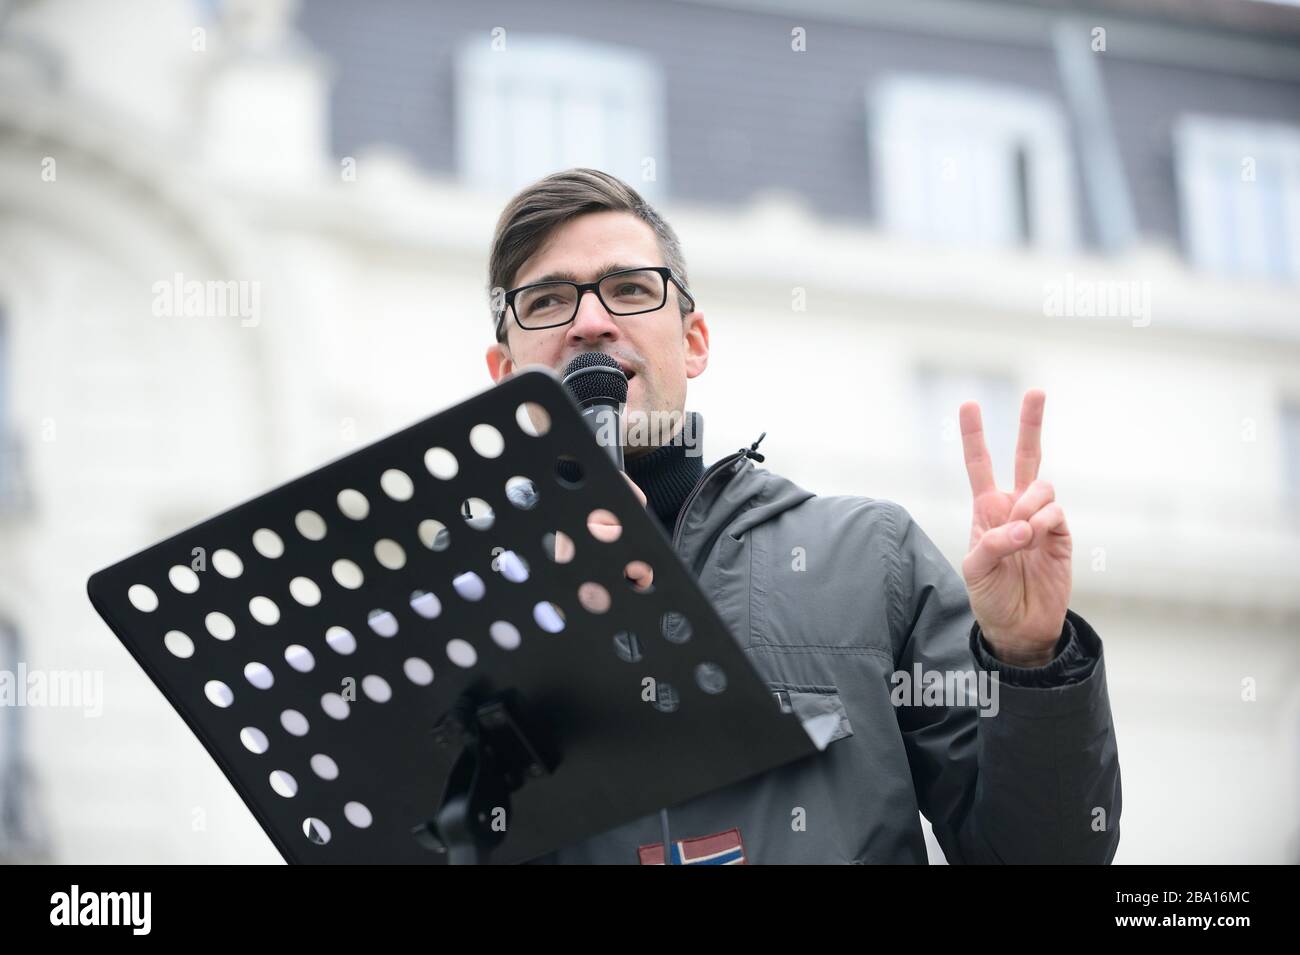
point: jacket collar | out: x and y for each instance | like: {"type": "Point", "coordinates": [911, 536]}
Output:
{"type": "Point", "coordinates": [733, 495]}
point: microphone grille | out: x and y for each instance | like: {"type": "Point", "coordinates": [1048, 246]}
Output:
{"type": "Point", "coordinates": [594, 375]}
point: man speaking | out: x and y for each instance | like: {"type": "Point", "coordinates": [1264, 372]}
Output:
{"type": "Point", "coordinates": [871, 626]}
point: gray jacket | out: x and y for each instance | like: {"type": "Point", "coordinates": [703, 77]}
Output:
{"type": "Point", "coordinates": [833, 596]}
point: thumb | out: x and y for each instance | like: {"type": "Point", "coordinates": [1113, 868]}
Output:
{"type": "Point", "coordinates": [640, 494]}
{"type": "Point", "coordinates": [997, 543]}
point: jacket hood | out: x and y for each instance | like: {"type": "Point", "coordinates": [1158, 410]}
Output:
{"type": "Point", "coordinates": [735, 495]}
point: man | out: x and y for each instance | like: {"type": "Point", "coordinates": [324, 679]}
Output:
{"type": "Point", "coordinates": [875, 610]}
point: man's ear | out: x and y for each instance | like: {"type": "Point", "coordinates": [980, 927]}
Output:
{"type": "Point", "coordinates": [696, 335]}
{"type": "Point", "coordinates": [499, 361]}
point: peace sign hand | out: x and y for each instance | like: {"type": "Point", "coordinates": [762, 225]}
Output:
{"type": "Point", "coordinates": [1019, 586]}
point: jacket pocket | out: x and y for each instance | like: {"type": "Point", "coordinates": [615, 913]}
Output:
{"type": "Point", "coordinates": [819, 709]}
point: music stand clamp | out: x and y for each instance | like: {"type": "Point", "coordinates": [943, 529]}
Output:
{"type": "Point", "coordinates": [496, 758]}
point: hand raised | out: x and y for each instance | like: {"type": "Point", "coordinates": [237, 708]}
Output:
{"type": "Point", "coordinates": [1018, 570]}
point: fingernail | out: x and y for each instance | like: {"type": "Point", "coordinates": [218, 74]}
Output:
{"type": "Point", "coordinates": [1020, 532]}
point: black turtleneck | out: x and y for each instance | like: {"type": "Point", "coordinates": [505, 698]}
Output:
{"type": "Point", "coordinates": [668, 474]}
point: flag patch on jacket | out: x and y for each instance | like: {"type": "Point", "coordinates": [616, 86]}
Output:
{"type": "Point", "coordinates": [721, 848]}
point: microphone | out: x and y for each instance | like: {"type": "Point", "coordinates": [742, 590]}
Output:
{"type": "Point", "coordinates": [600, 388]}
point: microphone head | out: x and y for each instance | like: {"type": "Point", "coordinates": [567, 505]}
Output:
{"type": "Point", "coordinates": [595, 377]}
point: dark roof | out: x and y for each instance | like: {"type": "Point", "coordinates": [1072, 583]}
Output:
{"type": "Point", "coordinates": [743, 114]}
{"type": "Point", "coordinates": [1275, 20]}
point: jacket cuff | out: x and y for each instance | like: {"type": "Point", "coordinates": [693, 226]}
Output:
{"type": "Point", "coordinates": [1073, 659]}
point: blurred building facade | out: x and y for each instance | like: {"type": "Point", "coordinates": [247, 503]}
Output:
{"type": "Point", "coordinates": [888, 210]}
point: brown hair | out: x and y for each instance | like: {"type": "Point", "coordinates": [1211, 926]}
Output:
{"type": "Point", "coordinates": [536, 211]}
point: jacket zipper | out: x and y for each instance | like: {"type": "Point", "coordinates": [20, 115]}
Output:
{"type": "Point", "coordinates": [749, 452]}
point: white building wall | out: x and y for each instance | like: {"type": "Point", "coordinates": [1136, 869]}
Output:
{"type": "Point", "coordinates": [1162, 440]}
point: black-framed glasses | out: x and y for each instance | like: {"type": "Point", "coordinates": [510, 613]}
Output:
{"type": "Point", "coordinates": [625, 292]}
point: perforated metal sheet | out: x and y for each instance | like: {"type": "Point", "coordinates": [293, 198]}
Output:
{"type": "Point", "coordinates": [331, 689]}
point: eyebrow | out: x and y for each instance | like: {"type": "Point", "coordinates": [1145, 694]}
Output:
{"type": "Point", "coordinates": [564, 275]}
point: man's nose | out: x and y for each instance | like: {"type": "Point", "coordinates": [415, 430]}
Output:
{"type": "Point", "coordinates": [593, 320]}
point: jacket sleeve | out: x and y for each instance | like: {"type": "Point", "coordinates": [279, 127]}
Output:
{"type": "Point", "coordinates": [1028, 773]}
{"type": "Point", "coordinates": [1072, 661]}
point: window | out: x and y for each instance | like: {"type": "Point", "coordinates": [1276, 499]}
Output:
{"type": "Point", "coordinates": [967, 162]}
{"type": "Point", "coordinates": [1239, 195]}
{"type": "Point", "coordinates": [544, 103]}
{"type": "Point", "coordinates": [941, 393]}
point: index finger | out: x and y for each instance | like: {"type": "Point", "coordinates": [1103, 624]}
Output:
{"type": "Point", "coordinates": [1029, 452]}
{"type": "Point", "coordinates": [979, 466]}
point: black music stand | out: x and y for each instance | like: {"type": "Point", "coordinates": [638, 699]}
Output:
{"type": "Point", "coordinates": [389, 665]}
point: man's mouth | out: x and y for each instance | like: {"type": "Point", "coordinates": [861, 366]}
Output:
{"type": "Point", "coordinates": [627, 370]}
